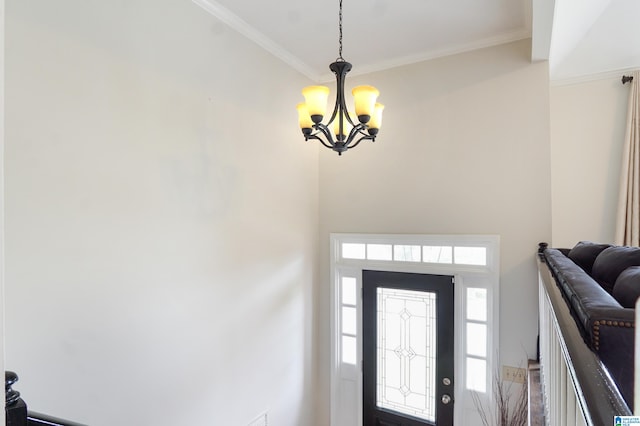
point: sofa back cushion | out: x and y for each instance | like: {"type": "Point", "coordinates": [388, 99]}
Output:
{"type": "Point", "coordinates": [611, 262]}
{"type": "Point", "coordinates": [627, 287]}
{"type": "Point", "coordinates": [585, 253]}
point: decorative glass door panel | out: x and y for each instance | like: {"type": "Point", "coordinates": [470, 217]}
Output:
{"type": "Point", "coordinates": [406, 352]}
{"type": "Point", "coordinates": [407, 349]}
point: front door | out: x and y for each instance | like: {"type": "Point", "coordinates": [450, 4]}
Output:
{"type": "Point", "coordinates": [408, 337]}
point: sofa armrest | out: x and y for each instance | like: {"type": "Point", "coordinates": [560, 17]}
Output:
{"type": "Point", "coordinates": [614, 342]}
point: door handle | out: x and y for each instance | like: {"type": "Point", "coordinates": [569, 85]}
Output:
{"type": "Point", "coordinates": [446, 399]}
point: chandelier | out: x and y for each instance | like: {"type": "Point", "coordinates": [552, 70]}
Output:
{"type": "Point", "coordinates": [341, 132]}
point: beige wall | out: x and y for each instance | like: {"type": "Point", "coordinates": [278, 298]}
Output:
{"type": "Point", "coordinates": [587, 133]}
{"type": "Point", "coordinates": [464, 149]}
{"type": "Point", "coordinates": [161, 244]}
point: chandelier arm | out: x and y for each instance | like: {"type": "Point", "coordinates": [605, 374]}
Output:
{"type": "Point", "coordinates": [343, 106]}
{"type": "Point", "coordinates": [352, 122]}
{"type": "Point", "coordinates": [355, 123]}
{"type": "Point", "coordinates": [355, 131]}
{"type": "Point", "coordinates": [358, 130]}
{"type": "Point", "coordinates": [365, 137]}
{"type": "Point", "coordinates": [340, 68]}
{"type": "Point", "coordinates": [334, 114]}
{"type": "Point", "coordinates": [321, 128]}
{"type": "Point", "coordinates": [316, 137]}
{"type": "Point", "coordinates": [362, 132]}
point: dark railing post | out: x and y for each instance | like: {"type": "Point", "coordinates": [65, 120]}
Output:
{"type": "Point", "coordinates": [542, 247]}
{"type": "Point", "coordinates": [15, 407]}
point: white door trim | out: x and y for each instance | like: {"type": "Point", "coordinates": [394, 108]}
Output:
{"type": "Point", "coordinates": [346, 379]}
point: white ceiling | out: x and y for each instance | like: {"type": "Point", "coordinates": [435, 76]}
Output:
{"type": "Point", "coordinates": [579, 37]}
{"type": "Point", "coordinates": [594, 37]}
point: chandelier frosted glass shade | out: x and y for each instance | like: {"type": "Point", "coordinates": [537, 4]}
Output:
{"type": "Point", "coordinates": [344, 130]}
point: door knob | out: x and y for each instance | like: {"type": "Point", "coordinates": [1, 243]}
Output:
{"type": "Point", "coordinates": [446, 399]}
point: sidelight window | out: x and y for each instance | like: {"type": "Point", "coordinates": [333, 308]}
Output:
{"type": "Point", "coordinates": [349, 320]}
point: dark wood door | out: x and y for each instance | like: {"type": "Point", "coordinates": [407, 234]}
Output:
{"type": "Point", "coordinates": [408, 359]}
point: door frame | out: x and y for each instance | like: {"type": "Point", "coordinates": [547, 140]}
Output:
{"type": "Point", "coordinates": [346, 380]}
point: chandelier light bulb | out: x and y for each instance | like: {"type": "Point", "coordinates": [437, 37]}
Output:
{"type": "Point", "coordinates": [316, 99]}
{"type": "Point", "coordinates": [365, 101]}
{"type": "Point", "coordinates": [341, 133]}
{"type": "Point", "coordinates": [376, 119]}
{"type": "Point", "coordinates": [304, 118]}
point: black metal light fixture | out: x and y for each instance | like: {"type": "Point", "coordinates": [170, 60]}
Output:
{"type": "Point", "coordinates": [346, 133]}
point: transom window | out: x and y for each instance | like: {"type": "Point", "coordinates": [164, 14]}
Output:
{"type": "Point", "coordinates": [459, 255]}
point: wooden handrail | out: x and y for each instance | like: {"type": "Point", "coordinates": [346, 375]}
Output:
{"type": "Point", "coordinates": [599, 398]}
{"type": "Point", "coordinates": [16, 409]}
{"type": "Point", "coordinates": [37, 419]}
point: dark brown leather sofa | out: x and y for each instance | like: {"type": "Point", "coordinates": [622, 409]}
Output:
{"type": "Point", "coordinates": [601, 283]}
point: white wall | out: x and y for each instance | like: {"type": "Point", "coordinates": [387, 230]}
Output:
{"type": "Point", "coordinates": [464, 149]}
{"type": "Point", "coordinates": [161, 218]}
{"type": "Point", "coordinates": [587, 136]}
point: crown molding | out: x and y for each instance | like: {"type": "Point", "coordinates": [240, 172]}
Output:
{"type": "Point", "coordinates": [437, 53]}
{"type": "Point", "coordinates": [586, 78]}
{"type": "Point", "coordinates": [241, 26]}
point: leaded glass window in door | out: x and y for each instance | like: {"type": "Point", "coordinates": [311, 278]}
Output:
{"type": "Point", "coordinates": [406, 352]}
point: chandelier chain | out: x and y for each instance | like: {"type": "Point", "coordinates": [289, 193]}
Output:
{"type": "Point", "coordinates": [340, 58]}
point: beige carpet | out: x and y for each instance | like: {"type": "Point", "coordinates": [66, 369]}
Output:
{"type": "Point", "coordinates": [536, 404]}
